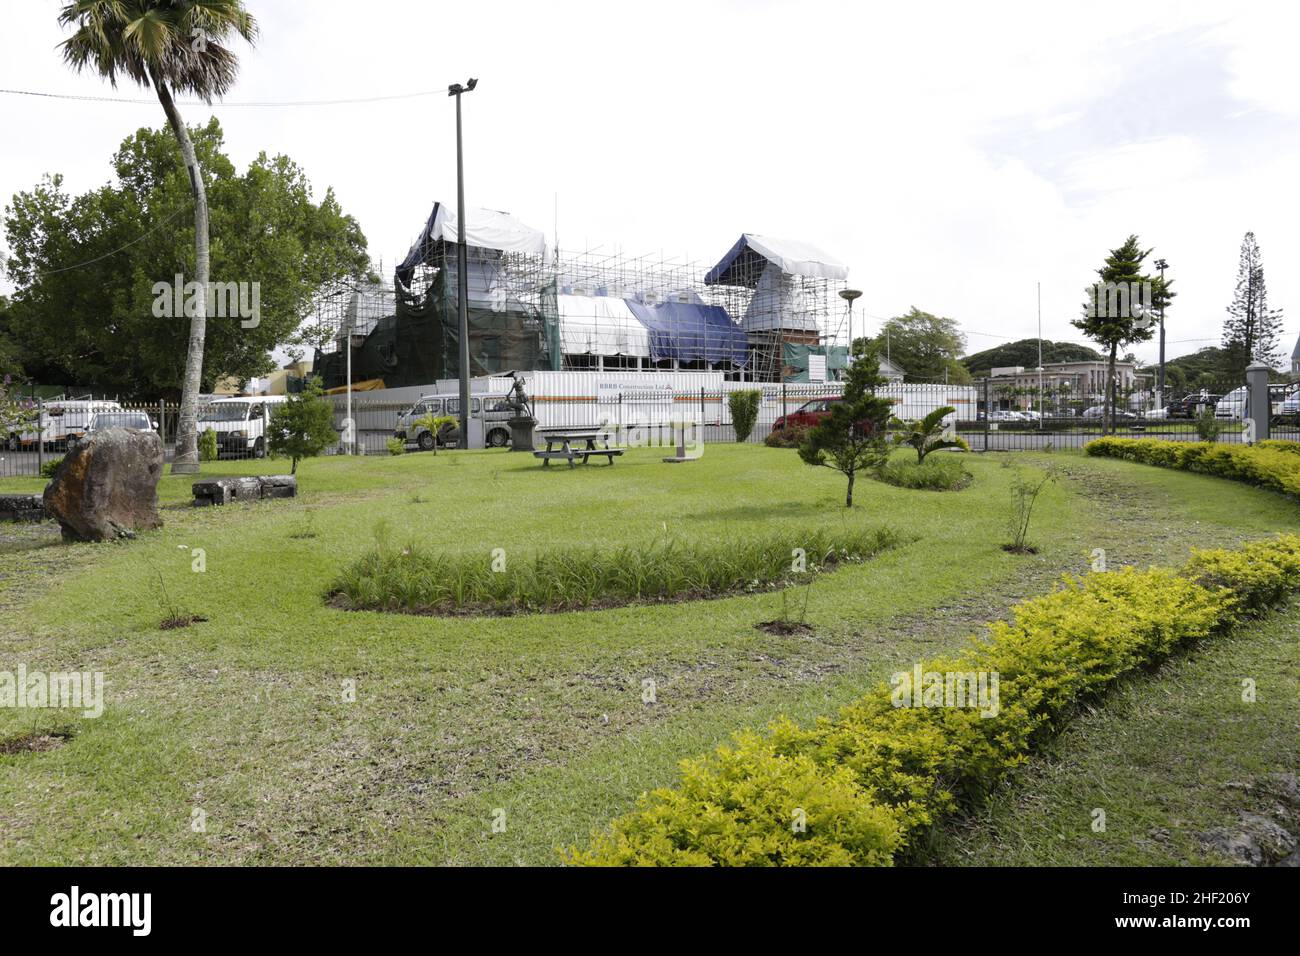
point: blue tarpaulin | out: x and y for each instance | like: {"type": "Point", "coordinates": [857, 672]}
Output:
{"type": "Point", "coordinates": [690, 332]}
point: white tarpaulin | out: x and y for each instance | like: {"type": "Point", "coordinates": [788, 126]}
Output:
{"type": "Point", "coordinates": [600, 325]}
{"type": "Point", "coordinates": [778, 303]}
{"type": "Point", "coordinates": [489, 229]}
{"type": "Point", "coordinates": [789, 255]}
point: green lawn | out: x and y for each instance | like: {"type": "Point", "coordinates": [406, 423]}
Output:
{"type": "Point", "coordinates": [540, 716]}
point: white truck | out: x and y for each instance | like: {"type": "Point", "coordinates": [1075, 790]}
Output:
{"type": "Point", "coordinates": [241, 424]}
{"type": "Point", "coordinates": [61, 423]}
{"type": "Point", "coordinates": [488, 412]}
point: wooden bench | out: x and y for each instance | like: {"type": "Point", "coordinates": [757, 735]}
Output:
{"type": "Point", "coordinates": [583, 443]}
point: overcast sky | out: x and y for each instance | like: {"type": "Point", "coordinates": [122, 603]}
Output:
{"type": "Point", "coordinates": [952, 155]}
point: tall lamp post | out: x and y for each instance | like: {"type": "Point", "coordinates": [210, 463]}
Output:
{"type": "Point", "coordinates": [462, 268]}
{"type": "Point", "coordinates": [1160, 378]}
{"type": "Point", "coordinates": [849, 295]}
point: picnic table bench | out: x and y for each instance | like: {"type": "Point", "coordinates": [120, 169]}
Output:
{"type": "Point", "coordinates": [570, 444]}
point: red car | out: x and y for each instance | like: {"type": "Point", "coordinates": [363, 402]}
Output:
{"type": "Point", "coordinates": [807, 414]}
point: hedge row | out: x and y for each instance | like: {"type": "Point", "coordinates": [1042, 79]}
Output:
{"type": "Point", "coordinates": [1269, 464]}
{"type": "Point", "coordinates": [860, 788]}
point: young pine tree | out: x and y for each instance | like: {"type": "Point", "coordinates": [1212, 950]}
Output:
{"type": "Point", "coordinates": [1112, 328]}
{"type": "Point", "coordinates": [303, 426]}
{"type": "Point", "coordinates": [853, 436]}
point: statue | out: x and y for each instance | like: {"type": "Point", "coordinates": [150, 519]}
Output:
{"type": "Point", "coordinates": [521, 421]}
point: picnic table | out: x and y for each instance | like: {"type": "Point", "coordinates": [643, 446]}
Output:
{"type": "Point", "coordinates": [571, 444]}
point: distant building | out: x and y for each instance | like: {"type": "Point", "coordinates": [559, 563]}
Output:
{"type": "Point", "coordinates": [1080, 383]}
{"type": "Point", "coordinates": [1295, 360]}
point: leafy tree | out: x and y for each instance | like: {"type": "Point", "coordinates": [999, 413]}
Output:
{"type": "Point", "coordinates": [95, 325]}
{"type": "Point", "coordinates": [16, 414]}
{"type": "Point", "coordinates": [171, 45]}
{"type": "Point", "coordinates": [1112, 328]}
{"type": "Point", "coordinates": [302, 426]}
{"type": "Point", "coordinates": [924, 346]}
{"type": "Point", "coordinates": [926, 434]}
{"type": "Point", "coordinates": [1251, 331]}
{"type": "Point", "coordinates": [852, 437]}
{"type": "Point", "coordinates": [744, 411]}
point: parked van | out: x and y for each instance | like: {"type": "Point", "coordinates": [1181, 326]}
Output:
{"type": "Point", "coordinates": [241, 424]}
{"type": "Point", "coordinates": [1232, 405]}
{"type": "Point", "coordinates": [61, 423]}
{"type": "Point", "coordinates": [492, 410]}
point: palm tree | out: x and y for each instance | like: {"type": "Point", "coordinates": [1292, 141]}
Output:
{"type": "Point", "coordinates": [170, 45]}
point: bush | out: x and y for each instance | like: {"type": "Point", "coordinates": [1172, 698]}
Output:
{"type": "Point", "coordinates": [936, 473]}
{"type": "Point", "coordinates": [744, 411]}
{"type": "Point", "coordinates": [420, 580]}
{"type": "Point", "coordinates": [396, 446]}
{"type": "Point", "coordinates": [879, 764]}
{"type": "Point", "coordinates": [791, 436]}
{"type": "Point", "coordinates": [302, 426]}
{"type": "Point", "coordinates": [1269, 467]}
{"type": "Point", "coordinates": [1208, 428]}
{"type": "Point", "coordinates": [49, 467]}
{"type": "Point", "coordinates": [208, 450]}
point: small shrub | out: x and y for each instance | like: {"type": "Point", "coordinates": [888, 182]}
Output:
{"type": "Point", "coordinates": [933, 474]}
{"type": "Point", "coordinates": [1024, 494]}
{"type": "Point", "coordinates": [208, 450]}
{"type": "Point", "coordinates": [744, 411]}
{"type": "Point", "coordinates": [791, 436]}
{"type": "Point", "coordinates": [396, 446]}
{"type": "Point", "coordinates": [50, 467]}
{"type": "Point", "coordinates": [1208, 428]}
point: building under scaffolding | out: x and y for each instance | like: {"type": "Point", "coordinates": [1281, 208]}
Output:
{"type": "Point", "coordinates": [759, 314]}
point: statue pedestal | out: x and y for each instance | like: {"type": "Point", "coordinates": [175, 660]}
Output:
{"type": "Point", "coordinates": [521, 433]}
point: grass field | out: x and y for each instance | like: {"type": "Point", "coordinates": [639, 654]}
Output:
{"type": "Point", "coordinates": [536, 720]}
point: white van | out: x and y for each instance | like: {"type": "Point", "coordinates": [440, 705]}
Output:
{"type": "Point", "coordinates": [61, 423]}
{"type": "Point", "coordinates": [241, 424]}
{"type": "Point", "coordinates": [1232, 405]}
{"type": "Point", "coordinates": [491, 410]}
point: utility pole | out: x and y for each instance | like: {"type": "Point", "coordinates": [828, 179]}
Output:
{"type": "Point", "coordinates": [1160, 378]}
{"type": "Point", "coordinates": [462, 268]}
{"type": "Point", "coordinates": [1040, 356]}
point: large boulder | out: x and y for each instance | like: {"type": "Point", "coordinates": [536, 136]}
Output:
{"type": "Point", "coordinates": [107, 486]}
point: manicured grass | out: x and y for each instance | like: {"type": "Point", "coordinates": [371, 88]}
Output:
{"type": "Point", "coordinates": [559, 720]}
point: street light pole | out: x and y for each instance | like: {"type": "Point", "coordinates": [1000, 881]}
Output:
{"type": "Point", "coordinates": [1160, 379]}
{"type": "Point", "coordinates": [848, 295]}
{"type": "Point", "coordinates": [462, 269]}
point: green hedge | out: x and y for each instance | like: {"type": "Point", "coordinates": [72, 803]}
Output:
{"type": "Point", "coordinates": [862, 787]}
{"type": "Point", "coordinates": [1269, 464]}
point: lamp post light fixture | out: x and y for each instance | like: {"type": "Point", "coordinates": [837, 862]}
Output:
{"type": "Point", "coordinates": [849, 295]}
{"type": "Point", "coordinates": [462, 269]}
{"type": "Point", "coordinates": [1160, 378]}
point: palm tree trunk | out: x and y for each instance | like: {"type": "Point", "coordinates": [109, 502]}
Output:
{"type": "Point", "coordinates": [185, 461]}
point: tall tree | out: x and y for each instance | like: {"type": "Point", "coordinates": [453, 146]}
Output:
{"type": "Point", "coordinates": [171, 45]}
{"type": "Point", "coordinates": [95, 326]}
{"type": "Point", "coordinates": [926, 347]}
{"type": "Point", "coordinates": [1121, 320]}
{"type": "Point", "coordinates": [1252, 330]}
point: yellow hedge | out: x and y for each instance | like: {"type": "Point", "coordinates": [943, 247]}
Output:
{"type": "Point", "coordinates": [861, 787]}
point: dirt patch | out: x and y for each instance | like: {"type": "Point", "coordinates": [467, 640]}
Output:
{"type": "Point", "coordinates": [784, 628]}
{"type": "Point", "coordinates": [1021, 549]}
{"type": "Point", "coordinates": [34, 741]}
{"type": "Point", "coordinates": [181, 620]}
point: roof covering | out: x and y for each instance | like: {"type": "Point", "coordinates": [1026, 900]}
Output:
{"type": "Point", "coordinates": [690, 332]}
{"type": "Point", "coordinates": [600, 325]}
{"type": "Point", "coordinates": [747, 259]}
{"type": "Point", "coordinates": [484, 229]}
